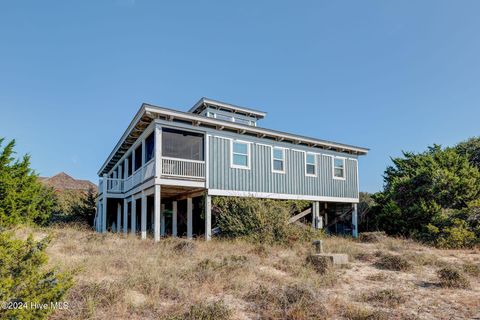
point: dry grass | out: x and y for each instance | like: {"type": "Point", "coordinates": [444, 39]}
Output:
{"type": "Point", "coordinates": [121, 277]}
{"type": "Point", "coordinates": [451, 277]}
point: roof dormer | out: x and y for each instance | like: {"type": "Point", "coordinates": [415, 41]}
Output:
{"type": "Point", "coordinates": [227, 112]}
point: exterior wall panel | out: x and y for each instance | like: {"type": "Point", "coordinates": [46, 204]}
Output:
{"type": "Point", "coordinates": [260, 178]}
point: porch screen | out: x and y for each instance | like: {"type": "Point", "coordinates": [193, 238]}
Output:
{"type": "Point", "coordinates": [182, 144]}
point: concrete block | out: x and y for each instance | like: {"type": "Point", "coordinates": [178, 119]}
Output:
{"type": "Point", "coordinates": [322, 261]}
{"type": "Point", "coordinates": [335, 258]}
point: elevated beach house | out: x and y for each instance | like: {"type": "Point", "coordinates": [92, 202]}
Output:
{"type": "Point", "coordinates": [160, 177]}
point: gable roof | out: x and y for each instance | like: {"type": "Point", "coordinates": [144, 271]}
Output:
{"type": "Point", "coordinates": [148, 113]}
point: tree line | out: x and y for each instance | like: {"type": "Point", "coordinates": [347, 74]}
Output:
{"type": "Point", "coordinates": [431, 196]}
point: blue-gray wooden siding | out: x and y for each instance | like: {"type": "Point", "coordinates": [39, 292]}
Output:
{"type": "Point", "coordinates": [260, 178]}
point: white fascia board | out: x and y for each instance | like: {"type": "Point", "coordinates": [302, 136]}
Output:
{"type": "Point", "coordinates": [228, 106]}
{"type": "Point", "coordinates": [193, 117]}
{"type": "Point", "coordinates": [256, 130]}
{"type": "Point", "coordinates": [280, 196]}
{"type": "Point", "coordinates": [132, 124]}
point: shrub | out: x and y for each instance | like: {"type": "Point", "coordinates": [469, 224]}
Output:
{"type": "Point", "coordinates": [393, 262]}
{"type": "Point", "coordinates": [184, 247]}
{"type": "Point", "coordinates": [380, 277]}
{"type": "Point", "coordinates": [376, 236]}
{"type": "Point", "coordinates": [426, 196]}
{"type": "Point", "coordinates": [23, 199]}
{"type": "Point", "coordinates": [451, 277]}
{"type": "Point", "coordinates": [471, 269]}
{"type": "Point", "coordinates": [24, 278]}
{"type": "Point", "coordinates": [293, 301]}
{"type": "Point", "coordinates": [321, 264]}
{"type": "Point", "coordinates": [351, 312]}
{"type": "Point", "coordinates": [208, 311]}
{"type": "Point", "coordinates": [260, 220]}
{"type": "Point", "coordinates": [385, 297]}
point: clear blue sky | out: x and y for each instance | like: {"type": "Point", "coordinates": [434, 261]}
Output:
{"type": "Point", "coordinates": [388, 75]}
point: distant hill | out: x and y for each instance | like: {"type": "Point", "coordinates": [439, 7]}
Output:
{"type": "Point", "coordinates": [64, 182]}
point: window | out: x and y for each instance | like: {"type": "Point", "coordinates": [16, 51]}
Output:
{"type": "Point", "coordinates": [339, 168]}
{"type": "Point", "coordinates": [278, 160]}
{"type": "Point", "coordinates": [310, 164]}
{"type": "Point", "coordinates": [129, 167]}
{"type": "Point", "coordinates": [182, 144]}
{"type": "Point", "coordinates": [223, 117]}
{"type": "Point", "coordinates": [138, 158]}
{"type": "Point", "coordinates": [240, 155]}
{"type": "Point", "coordinates": [149, 147]}
{"type": "Point", "coordinates": [242, 121]}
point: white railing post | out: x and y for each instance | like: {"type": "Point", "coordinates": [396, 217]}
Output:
{"type": "Point", "coordinates": [208, 217]}
{"type": "Point", "coordinates": [143, 161]}
{"type": "Point", "coordinates": [104, 206]}
{"type": "Point", "coordinates": [158, 152]}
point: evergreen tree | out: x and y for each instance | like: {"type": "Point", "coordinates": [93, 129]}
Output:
{"type": "Point", "coordinates": [25, 283]}
{"type": "Point", "coordinates": [471, 149]}
{"type": "Point", "coordinates": [430, 196]}
{"type": "Point", "coordinates": [23, 199]}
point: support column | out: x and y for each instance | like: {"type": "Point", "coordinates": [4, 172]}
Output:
{"type": "Point", "coordinates": [208, 217]}
{"type": "Point", "coordinates": [314, 215]}
{"type": "Point", "coordinates": [156, 213]}
{"type": "Point", "coordinates": [119, 216]}
{"type": "Point", "coordinates": [189, 218]}
{"type": "Point", "coordinates": [158, 151]}
{"type": "Point", "coordinates": [133, 223]}
{"type": "Point", "coordinates": [174, 218]}
{"type": "Point", "coordinates": [125, 216]}
{"type": "Point", "coordinates": [104, 204]}
{"type": "Point", "coordinates": [162, 219]}
{"type": "Point", "coordinates": [354, 221]}
{"type": "Point", "coordinates": [143, 221]}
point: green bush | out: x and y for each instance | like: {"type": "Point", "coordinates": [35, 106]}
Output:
{"type": "Point", "coordinates": [23, 199]}
{"type": "Point", "coordinates": [433, 196]}
{"type": "Point", "coordinates": [24, 279]}
{"type": "Point", "coordinates": [260, 220]}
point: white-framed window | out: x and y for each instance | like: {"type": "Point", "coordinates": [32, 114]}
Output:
{"type": "Point", "coordinates": [338, 168]}
{"type": "Point", "coordinates": [241, 121]}
{"type": "Point", "coordinates": [223, 117]}
{"type": "Point", "coordinates": [210, 114]}
{"type": "Point", "coordinates": [240, 154]}
{"type": "Point", "coordinates": [310, 164]}
{"type": "Point", "coordinates": [278, 160]}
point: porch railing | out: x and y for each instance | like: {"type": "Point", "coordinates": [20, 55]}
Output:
{"type": "Point", "coordinates": [171, 167]}
{"type": "Point", "coordinates": [183, 168]}
{"type": "Point", "coordinates": [114, 185]}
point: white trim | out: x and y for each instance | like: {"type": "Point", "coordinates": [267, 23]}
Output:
{"type": "Point", "coordinates": [249, 154]}
{"type": "Point", "coordinates": [224, 138]}
{"type": "Point", "coordinates": [344, 168]}
{"type": "Point", "coordinates": [151, 109]}
{"type": "Point", "coordinates": [264, 145]}
{"type": "Point", "coordinates": [283, 160]}
{"type": "Point", "coordinates": [227, 106]}
{"type": "Point", "coordinates": [182, 183]}
{"type": "Point", "coordinates": [315, 164]}
{"type": "Point", "coordinates": [233, 193]}
{"type": "Point", "coordinates": [184, 160]}
{"type": "Point", "coordinates": [207, 157]}
{"type": "Point", "coordinates": [298, 150]}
